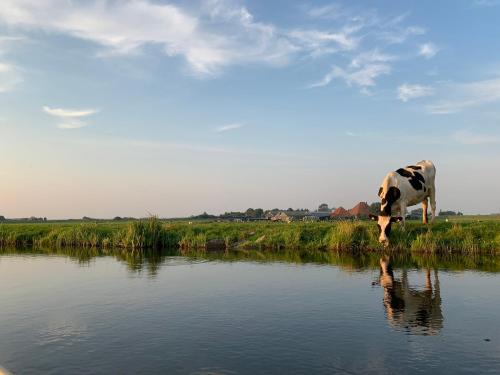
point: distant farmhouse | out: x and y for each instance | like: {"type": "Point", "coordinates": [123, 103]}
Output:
{"type": "Point", "coordinates": [359, 211]}
{"type": "Point", "coordinates": [289, 216]}
{"type": "Point", "coordinates": [340, 213]}
{"type": "Point", "coordinates": [317, 216]}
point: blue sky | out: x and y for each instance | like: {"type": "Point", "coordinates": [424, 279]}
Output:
{"type": "Point", "coordinates": [128, 107]}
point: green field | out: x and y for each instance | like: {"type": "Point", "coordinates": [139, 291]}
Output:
{"type": "Point", "coordinates": [465, 235]}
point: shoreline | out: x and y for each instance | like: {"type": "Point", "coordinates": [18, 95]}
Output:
{"type": "Point", "coordinates": [460, 237]}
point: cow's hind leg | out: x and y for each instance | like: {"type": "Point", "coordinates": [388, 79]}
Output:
{"type": "Point", "coordinates": [424, 211]}
{"type": "Point", "coordinates": [432, 198]}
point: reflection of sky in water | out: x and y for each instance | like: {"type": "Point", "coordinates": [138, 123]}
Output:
{"type": "Point", "coordinates": [219, 317]}
{"type": "Point", "coordinates": [61, 332]}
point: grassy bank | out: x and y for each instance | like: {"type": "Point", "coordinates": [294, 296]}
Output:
{"type": "Point", "coordinates": [467, 237]}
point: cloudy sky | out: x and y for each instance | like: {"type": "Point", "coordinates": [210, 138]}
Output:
{"type": "Point", "coordinates": [124, 107]}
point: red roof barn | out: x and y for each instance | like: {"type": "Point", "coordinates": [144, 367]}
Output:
{"type": "Point", "coordinates": [361, 210]}
{"type": "Point", "coordinates": [339, 213]}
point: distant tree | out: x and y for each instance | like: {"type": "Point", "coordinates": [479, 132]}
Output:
{"type": "Point", "coordinates": [290, 209]}
{"type": "Point", "coordinates": [250, 212]}
{"type": "Point", "coordinates": [323, 207]}
{"type": "Point", "coordinates": [117, 218]}
{"type": "Point", "coordinates": [448, 213]}
{"type": "Point", "coordinates": [259, 212]}
{"type": "Point", "coordinates": [2, 218]}
{"type": "Point", "coordinates": [375, 208]}
{"type": "Point", "coordinates": [204, 215]}
{"type": "Point", "coordinates": [44, 219]}
{"type": "Point", "coordinates": [232, 214]}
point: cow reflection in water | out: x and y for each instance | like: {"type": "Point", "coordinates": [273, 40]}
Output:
{"type": "Point", "coordinates": [416, 311]}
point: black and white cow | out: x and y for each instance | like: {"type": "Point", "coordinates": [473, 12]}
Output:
{"type": "Point", "coordinates": [403, 188]}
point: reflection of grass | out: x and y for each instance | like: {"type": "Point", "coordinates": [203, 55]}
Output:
{"type": "Point", "coordinates": [467, 237]}
{"type": "Point", "coordinates": [150, 261]}
{"type": "Point", "coordinates": [363, 260]}
{"type": "Point", "coordinates": [136, 261]}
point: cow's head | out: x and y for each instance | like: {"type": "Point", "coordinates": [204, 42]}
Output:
{"type": "Point", "coordinates": [384, 223]}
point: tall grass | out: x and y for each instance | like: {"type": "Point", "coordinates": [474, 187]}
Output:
{"type": "Point", "coordinates": [348, 235]}
{"type": "Point", "coordinates": [467, 237]}
{"type": "Point", "coordinates": [142, 234]}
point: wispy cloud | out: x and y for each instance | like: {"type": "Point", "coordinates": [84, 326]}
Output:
{"type": "Point", "coordinates": [192, 148]}
{"type": "Point", "coordinates": [389, 29]}
{"type": "Point", "coordinates": [10, 77]}
{"type": "Point", "coordinates": [7, 40]}
{"type": "Point", "coordinates": [471, 138]}
{"type": "Point", "coordinates": [158, 145]}
{"type": "Point", "coordinates": [10, 74]}
{"type": "Point", "coordinates": [211, 37]}
{"type": "Point", "coordinates": [372, 56]}
{"type": "Point", "coordinates": [400, 35]}
{"type": "Point", "coordinates": [329, 11]}
{"type": "Point", "coordinates": [407, 92]}
{"type": "Point", "coordinates": [220, 34]}
{"type": "Point", "coordinates": [365, 27]}
{"type": "Point", "coordinates": [362, 77]}
{"type": "Point", "coordinates": [319, 42]}
{"type": "Point", "coordinates": [396, 136]}
{"type": "Point", "coordinates": [457, 97]}
{"type": "Point", "coordinates": [69, 112]}
{"type": "Point", "coordinates": [362, 71]}
{"type": "Point", "coordinates": [228, 127]}
{"type": "Point", "coordinates": [428, 50]}
{"type": "Point", "coordinates": [486, 3]}
{"type": "Point", "coordinates": [72, 118]}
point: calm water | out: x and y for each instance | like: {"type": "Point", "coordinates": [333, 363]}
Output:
{"type": "Point", "coordinates": [67, 314]}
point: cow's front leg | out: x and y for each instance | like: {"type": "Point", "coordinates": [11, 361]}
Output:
{"type": "Point", "coordinates": [402, 212]}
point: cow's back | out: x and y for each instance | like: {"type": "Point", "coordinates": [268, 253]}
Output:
{"type": "Point", "coordinates": [428, 171]}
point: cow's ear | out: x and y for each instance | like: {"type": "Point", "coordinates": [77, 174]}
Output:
{"type": "Point", "coordinates": [373, 217]}
{"type": "Point", "coordinates": [396, 219]}
{"type": "Point", "coordinates": [380, 191]}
